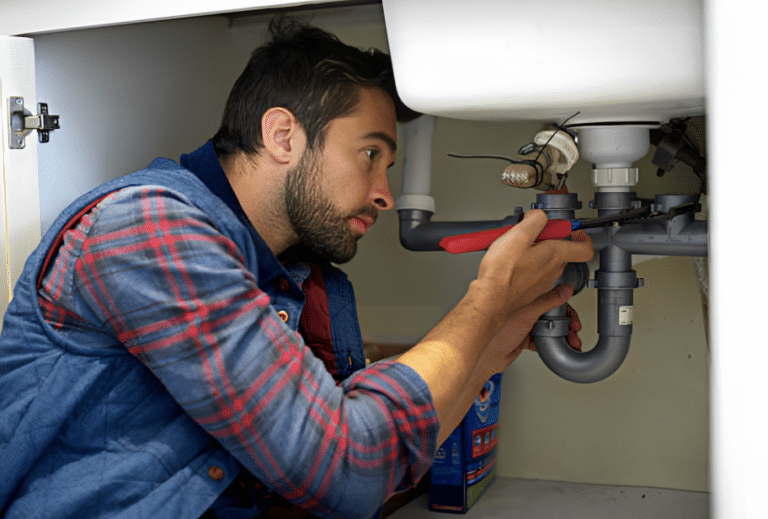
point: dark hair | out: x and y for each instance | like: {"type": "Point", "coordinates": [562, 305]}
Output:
{"type": "Point", "coordinates": [309, 72]}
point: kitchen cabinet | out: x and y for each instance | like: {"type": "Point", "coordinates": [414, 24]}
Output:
{"type": "Point", "coordinates": [135, 80]}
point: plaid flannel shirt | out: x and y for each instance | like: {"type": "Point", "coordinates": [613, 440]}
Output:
{"type": "Point", "coordinates": [149, 267]}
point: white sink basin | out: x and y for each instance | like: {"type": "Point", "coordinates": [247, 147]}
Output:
{"type": "Point", "coordinates": [611, 60]}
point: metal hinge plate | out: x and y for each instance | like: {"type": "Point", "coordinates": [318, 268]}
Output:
{"type": "Point", "coordinates": [23, 122]}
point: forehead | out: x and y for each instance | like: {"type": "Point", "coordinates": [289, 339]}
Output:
{"type": "Point", "coordinates": [376, 103]}
{"type": "Point", "coordinates": [372, 118]}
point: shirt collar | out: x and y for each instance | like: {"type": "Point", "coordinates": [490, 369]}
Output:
{"type": "Point", "coordinates": [204, 163]}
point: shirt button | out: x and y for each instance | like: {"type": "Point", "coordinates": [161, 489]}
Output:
{"type": "Point", "coordinates": [283, 315]}
{"type": "Point", "coordinates": [216, 473]}
{"type": "Point", "coordinates": [283, 285]}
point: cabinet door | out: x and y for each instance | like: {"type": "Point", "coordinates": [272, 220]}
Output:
{"type": "Point", "coordinates": [25, 17]}
{"type": "Point", "coordinates": [20, 204]}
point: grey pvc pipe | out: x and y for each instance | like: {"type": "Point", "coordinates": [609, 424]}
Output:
{"type": "Point", "coordinates": [656, 239]}
{"type": "Point", "coordinates": [615, 282]}
{"type": "Point", "coordinates": [417, 166]}
{"type": "Point", "coordinates": [592, 366]}
{"type": "Point", "coordinates": [418, 233]}
{"type": "Point", "coordinates": [416, 206]}
{"type": "Point", "coordinates": [607, 356]}
{"type": "Point", "coordinates": [417, 156]}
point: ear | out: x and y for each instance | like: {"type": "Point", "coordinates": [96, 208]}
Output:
{"type": "Point", "coordinates": [282, 135]}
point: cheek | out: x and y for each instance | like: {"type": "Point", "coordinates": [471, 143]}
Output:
{"type": "Point", "coordinates": [349, 196]}
{"type": "Point", "coordinates": [346, 184]}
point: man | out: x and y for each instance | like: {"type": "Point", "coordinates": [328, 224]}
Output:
{"type": "Point", "coordinates": [180, 345]}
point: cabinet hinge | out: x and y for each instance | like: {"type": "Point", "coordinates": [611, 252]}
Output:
{"type": "Point", "coordinates": [23, 122]}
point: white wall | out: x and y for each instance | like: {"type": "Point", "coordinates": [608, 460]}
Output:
{"type": "Point", "coordinates": [126, 95]}
{"type": "Point", "coordinates": [135, 92]}
{"type": "Point", "coordinates": [736, 94]}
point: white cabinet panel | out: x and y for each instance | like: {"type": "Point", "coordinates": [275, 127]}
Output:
{"type": "Point", "coordinates": [25, 17]}
{"type": "Point", "coordinates": [20, 216]}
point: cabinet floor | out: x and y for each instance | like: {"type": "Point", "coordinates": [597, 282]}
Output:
{"type": "Point", "coordinates": [510, 498]}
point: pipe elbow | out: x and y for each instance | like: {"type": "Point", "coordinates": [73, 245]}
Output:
{"type": "Point", "coordinates": [416, 231]}
{"type": "Point", "coordinates": [584, 367]}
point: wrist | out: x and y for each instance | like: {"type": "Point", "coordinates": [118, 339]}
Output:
{"type": "Point", "coordinates": [489, 304]}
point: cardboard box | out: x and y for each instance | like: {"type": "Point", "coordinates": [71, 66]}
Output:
{"type": "Point", "coordinates": [465, 464]}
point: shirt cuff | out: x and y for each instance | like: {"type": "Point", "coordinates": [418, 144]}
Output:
{"type": "Point", "coordinates": [415, 415]}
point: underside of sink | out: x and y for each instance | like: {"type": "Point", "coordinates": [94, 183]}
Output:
{"type": "Point", "coordinates": [610, 61]}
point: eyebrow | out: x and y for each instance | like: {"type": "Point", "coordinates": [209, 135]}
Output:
{"type": "Point", "coordinates": [384, 137]}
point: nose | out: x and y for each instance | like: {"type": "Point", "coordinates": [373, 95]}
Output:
{"type": "Point", "coordinates": [380, 193]}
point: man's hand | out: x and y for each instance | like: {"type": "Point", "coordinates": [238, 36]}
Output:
{"type": "Point", "coordinates": [512, 290]}
{"type": "Point", "coordinates": [516, 270]}
{"type": "Point", "coordinates": [515, 335]}
{"type": "Point", "coordinates": [506, 346]}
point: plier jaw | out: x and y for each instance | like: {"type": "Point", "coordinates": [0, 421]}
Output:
{"type": "Point", "coordinates": [644, 213]}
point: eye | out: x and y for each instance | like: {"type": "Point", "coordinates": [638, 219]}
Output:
{"type": "Point", "coordinates": [372, 154]}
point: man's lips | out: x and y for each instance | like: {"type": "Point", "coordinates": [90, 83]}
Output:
{"type": "Point", "coordinates": [363, 223]}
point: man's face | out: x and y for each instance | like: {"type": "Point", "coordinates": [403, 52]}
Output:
{"type": "Point", "coordinates": [334, 195]}
{"type": "Point", "coordinates": [319, 224]}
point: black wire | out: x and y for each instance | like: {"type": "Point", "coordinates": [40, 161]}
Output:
{"type": "Point", "coordinates": [456, 155]}
{"type": "Point", "coordinates": [535, 164]}
{"type": "Point", "coordinates": [558, 127]}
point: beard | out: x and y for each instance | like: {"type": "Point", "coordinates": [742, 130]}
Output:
{"type": "Point", "coordinates": [319, 225]}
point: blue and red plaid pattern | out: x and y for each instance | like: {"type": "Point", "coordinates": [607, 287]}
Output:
{"type": "Point", "coordinates": [150, 269]}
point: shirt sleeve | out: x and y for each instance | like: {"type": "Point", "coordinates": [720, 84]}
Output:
{"type": "Point", "coordinates": [153, 269]}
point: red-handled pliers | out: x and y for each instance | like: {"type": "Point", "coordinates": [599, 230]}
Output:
{"type": "Point", "coordinates": [481, 240]}
{"type": "Point", "coordinates": [554, 229]}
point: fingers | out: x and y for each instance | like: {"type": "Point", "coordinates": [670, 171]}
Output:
{"type": "Point", "coordinates": [576, 250]}
{"type": "Point", "coordinates": [552, 299]}
{"type": "Point", "coordinates": [524, 233]}
{"type": "Point", "coordinates": [574, 341]}
{"type": "Point", "coordinates": [558, 296]}
{"type": "Point", "coordinates": [575, 321]}
{"type": "Point", "coordinates": [573, 328]}
{"type": "Point", "coordinates": [535, 220]}
{"type": "Point", "coordinates": [523, 236]}
{"type": "Point", "coordinates": [580, 236]}
{"type": "Point", "coordinates": [516, 270]}
{"type": "Point", "coordinates": [583, 250]}
{"type": "Point", "coordinates": [526, 344]}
